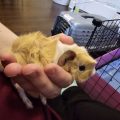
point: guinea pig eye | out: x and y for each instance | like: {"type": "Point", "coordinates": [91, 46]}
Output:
{"type": "Point", "coordinates": [82, 68]}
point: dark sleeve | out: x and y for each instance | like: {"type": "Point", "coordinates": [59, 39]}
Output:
{"type": "Point", "coordinates": [75, 104]}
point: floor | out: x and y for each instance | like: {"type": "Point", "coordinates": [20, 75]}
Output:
{"type": "Point", "coordinates": [23, 16]}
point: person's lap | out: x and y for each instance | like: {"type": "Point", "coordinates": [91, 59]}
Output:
{"type": "Point", "coordinates": [74, 104]}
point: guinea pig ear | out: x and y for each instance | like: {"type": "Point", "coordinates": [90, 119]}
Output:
{"type": "Point", "coordinates": [65, 57]}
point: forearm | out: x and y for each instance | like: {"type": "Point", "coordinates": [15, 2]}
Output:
{"type": "Point", "coordinates": [6, 38]}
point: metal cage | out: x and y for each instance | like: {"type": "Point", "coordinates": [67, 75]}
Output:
{"type": "Point", "coordinates": [104, 36]}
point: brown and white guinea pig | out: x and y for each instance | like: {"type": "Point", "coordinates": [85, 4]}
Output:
{"type": "Point", "coordinates": [36, 48]}
{"type": "Point", "coordinates": [39, 49]}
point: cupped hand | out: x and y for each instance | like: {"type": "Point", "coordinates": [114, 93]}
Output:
{"type": "Point", "coordinates": [47, 81]}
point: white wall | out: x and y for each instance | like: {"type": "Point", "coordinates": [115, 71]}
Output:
{"type": "Point", "coordinates": [113, 3]}
{"type": "Point", "coordinates": [105, 8]}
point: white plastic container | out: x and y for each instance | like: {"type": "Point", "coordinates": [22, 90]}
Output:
{"type": "Point", "coordinates": [62, 2]}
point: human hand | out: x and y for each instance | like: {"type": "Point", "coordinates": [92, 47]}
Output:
{"type": "Point", "coordinates": [35, 80]}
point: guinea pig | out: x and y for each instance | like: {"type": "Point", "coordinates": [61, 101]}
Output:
{"type": "Point", "coordinates": [39, 49]}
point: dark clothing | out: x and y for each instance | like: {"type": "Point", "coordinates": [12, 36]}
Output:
{"type": "Point", "coordinates": [75, 104]}
{"type": "Point", "coordinates": [12, 107]}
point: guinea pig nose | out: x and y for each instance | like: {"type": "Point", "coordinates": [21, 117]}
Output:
{"type": "Point", "coordinates": [82, 68]}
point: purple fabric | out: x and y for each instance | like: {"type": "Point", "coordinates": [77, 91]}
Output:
{"type": "Point", "coordinates": [108, 57]}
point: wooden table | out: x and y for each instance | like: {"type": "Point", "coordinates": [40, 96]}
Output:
{"type": "Point", "coordinates": [23, 16]}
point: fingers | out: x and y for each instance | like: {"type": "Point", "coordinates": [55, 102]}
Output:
{"type": "Point", "coordinates": [36, 76]}
{"type": "Point", "coordinates": [58, 75]}
{"type": "Point", "coordinates": [63, 38]}
{"type": "Point", "coordinates": [32, 79]}
{"type": "Point", "coordinates": [12, 69]}
{"type": "Point", "coordinates": [66, 39]}
{"type": "Point", "coordinates": [36, 80]}
{"type": "Point", "coordinates": [6, 59]}
{"type": "Point", "coordinates": [26, 85]}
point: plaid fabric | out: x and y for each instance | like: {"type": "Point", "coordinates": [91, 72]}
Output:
{"type": "Point", "coordinates": [101, 89]}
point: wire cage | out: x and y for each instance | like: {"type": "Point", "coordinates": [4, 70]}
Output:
{"type": "Point", "coordinates": [104, 86]}
{"type": "Point", "coordinates": [98, 36]}
{"type": "Point", "coordinates": [105, 36]}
